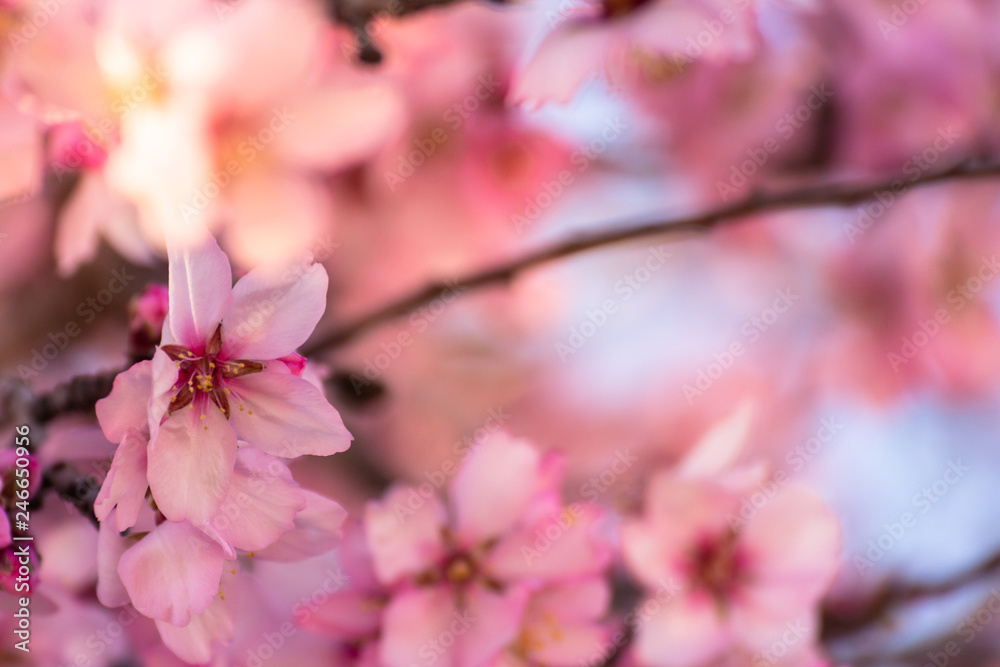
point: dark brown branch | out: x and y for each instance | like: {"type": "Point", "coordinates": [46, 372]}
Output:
{"type": "Point", "coordinates": [838, 624]}
{"type": "Point", "coordinates": [358, 15]}
{"type": "Point", "coordinates": [810, 197]}
{"type": "Point", "coordinates": [77, 395]}
{"type": "Point", "coordinates": [78, 490]}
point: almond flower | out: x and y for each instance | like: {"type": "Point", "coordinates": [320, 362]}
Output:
{"type": "Point", "coordinates": [611, 37]}
{"type": "Point", "coordinates": [170, 570]}
{"type": "Point", "coordinates": [176, 574]}
{"type": "Point", "coordinates": [740, 584]}
{"type": "Point", "coordinates": [461, 576]}
{"type": "Point", "coordinates": [225, 369]}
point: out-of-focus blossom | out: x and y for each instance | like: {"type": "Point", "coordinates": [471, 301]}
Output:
{"type": "Point", "coordinates": [736, 574]}
{"type": "Point", "coordinates": [912, 293]}
{"type": "Point", "coordinates": [906, 88]}
{"type": "Point", "coordinates": [352, 616]}
{"type": "Point", "coordinates": [20, 152]}
{"type": "Point", "coordinates": [94, 210]}
{"type": "Point", "coordinates": [469, 568]}
{"type": "Point", "coordinates": [179, 113]}
{"type": "Point", "coordinates": [561, 625]}
{"type": "Point", "coordinates": [147, 313]}
{"type": "Point", "coordinates": [244, 143]}
{"type": "Point", "coordinates": [613, 36]}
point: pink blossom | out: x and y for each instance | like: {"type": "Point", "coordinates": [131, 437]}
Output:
{"type": "Point", "coordinates": [560, 626]}
{"type": "Point", "coordinates": [907, 319]}
{"type": "Point", "coordinates": [147, 314]}
{"type": "Point", "coordinates": [468, 568]}
{"type": "Point", "coordinates": [218, 374]}
{"type": "Point", "coordinates": [169, 569]}
{"type": "Point", "coordinates": [20, 151]}
{"type": "Point", "coordinates": [177, 573]}
{"type": "Point", "coordinates": [256, 131]}
{"type": "Point", "coordinates": [613, 37]}
{"type": "Point", "coordinates": [731, 582]}
{"type": "Point", "coordinates": [353, 614]}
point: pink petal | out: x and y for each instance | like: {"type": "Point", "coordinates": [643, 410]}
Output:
{"type": "Point", "coordinates": [666, 29]}
{"type": "Point", "coordinates": [125, 485]}
{"type": "Point", "coordinates": [566, 58]}
{"type": "Point", "coordinates": [720, 446]}
{"type": "Point", "coordinates": [5, 535]}
{"type": "Point", "coordinates": [286, 416]}
{"type": "Point", "coordinates": [412, 620]}
{"type": "Point", "coordinates": [172, 572]}
{"type": "Point", "coordinates": [201, 287]}
{"type": "Point", "coordinates": [559, 626]}
{"type": "Point", "coordinates": [679, 512]}
{"type": "Point", "coordinates": [404, 533]}
{"type": "Point", "coordinates": [92, 210]}
{"type": "Point", "coordinates": [584, 600]}
{"type": "Point", "coordinates": [191, 464]}
{"type": "Point", "coordinates": [20, 152]}
{"type": "Point", "coordinates": [110, 546]}
{"type": "Point", "coordinates": [347, 616]}
{"type": "Point", "coordinates": [569, 645]}
{"type": "Point", "coordinates": [127, 405]}
{"type": "Point", "coordinates": [793, 546]}
{"type": "Point", "coordinates": [260, 505]}
{"type": "Point", "coordinates": [495, 487]}
{"type": "Point", "coordinates": [489, 622]}
{"type": "Point", "coordinates": [274, 312]}
{"type": "Point", "coordinates": [336, 125]}
{"type": "Point", "coordinates": [316, 531]}
{"type": "Point", "coordinates": [685, 631]}
{"type": "Point", "coordinates": [563, 544]}
{"type": "Point", "coordinates": [760, 628]}
{"type": "Point", "coordinates": [165, 373]}
{"type": "Point", "coordinates": [193, 642]}
{"type": "Point", "coordinates": [355, 558]}
{"type": "Point", "coordinates": [77, 234]}
{"type": "Point", "coordinates": [281, 213]}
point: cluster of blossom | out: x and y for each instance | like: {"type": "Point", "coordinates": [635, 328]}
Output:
{"type": "Point", "coordinates": [199, 476]}
{"type": "Point", "coordinates": [222, 134]}
{"type": "Point", "coordinates": [502, 574]}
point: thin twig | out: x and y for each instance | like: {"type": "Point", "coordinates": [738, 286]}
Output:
{"type": "Point", "coordinates": [79, 394]}
{"type": "Point", "coordinates": [809, 197]}
{"type": "Point", "coordinates": [892, 596]}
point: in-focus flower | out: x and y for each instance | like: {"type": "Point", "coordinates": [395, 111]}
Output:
{"type": "Point", "coordinates": [221, 373]}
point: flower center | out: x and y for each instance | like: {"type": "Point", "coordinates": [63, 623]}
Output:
{"type": "Point", "coordinates": [718, 565]}
{"type": "Point", "coordinates": [613, 9]}
{"type": "Point", "coordinates": [459, 569]}
{"type": "Point", "coordinates": [203, 375]}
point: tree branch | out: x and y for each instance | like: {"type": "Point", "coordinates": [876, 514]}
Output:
{"type": "Point", "coordinates": [839, 195]}
{"type": "Point", "coordinates": [79, 394]}
{"type": "Point", "coordinates": [838, 624]}
{"type": "Point", "coordinates": [359, 14]}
